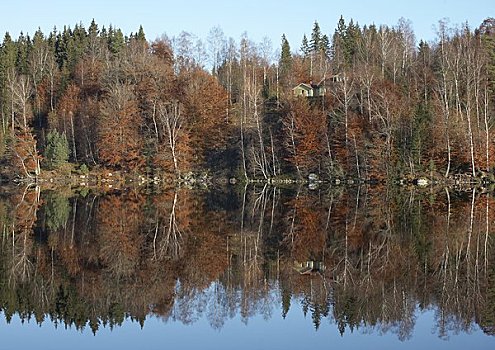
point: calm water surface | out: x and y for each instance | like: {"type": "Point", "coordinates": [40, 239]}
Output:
{"type": "Point", "coordinates": [254, 268]}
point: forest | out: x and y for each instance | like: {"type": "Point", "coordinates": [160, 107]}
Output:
{"type": "Point", "coordinates": [365, 102]}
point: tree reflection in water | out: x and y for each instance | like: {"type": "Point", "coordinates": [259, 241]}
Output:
{"type": "Point", "coordinates": [364, 258]}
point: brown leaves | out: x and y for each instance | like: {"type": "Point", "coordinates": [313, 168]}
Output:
{"type": "Point", "coordinates": [120, 238]}
{"type": "Point", "coordinates": [120, 142]}
{"type": "Point", "coordinates": [205, 102]}
{"type": "Point", "coordinates": [307, 232]}
{"type": "Point", "coordinates": [25, 155]}
{"type": "Point", "coordinates": [305, 128]}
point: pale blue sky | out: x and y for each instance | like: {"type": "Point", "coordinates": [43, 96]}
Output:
{"type": "Point", "coordinates": [258, 18]}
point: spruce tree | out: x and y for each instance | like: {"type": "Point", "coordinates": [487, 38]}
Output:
{"type": "Point", "coordinates": [305, 46]}
{"type": "Point", "coordinates": [140, 34]}
{"type": "Point", "coordinates": [116, 40]}
{"type": "Point", "coordinates": [324, 46]}
{"type": "Point", "coordinates": [341, 29]}
{"type": "Point", "coordinates": [285, 62]}
{"type": "Point", "coordinates": [487, 33]}
{"type": "Point", "coordinates": [57, 210]}
{"type": "Point", "coordinates": [352, 35]}
{"type": "Point", "coordinates": [9, 52]}
{"type": "Point", "coordinates": [57, 149]}
{"type": "Point", "coordinates": [314, 44]}
{"type": "Point", "coordinates": [23, 47]}
{"type": "Point", "coordinates": [93, 29]}
{"type": "Point", "coordinates": [8, 56]}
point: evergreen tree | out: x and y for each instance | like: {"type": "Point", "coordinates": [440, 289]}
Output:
{"type": "Point", "coordinates": [420, 133]}
{"type": "Point", "coordinates": [286, 299]}
{"type": "Point", "coordinates": [324, 46]}
{"type": "Point", "coordinates": [115, 40]}
{"type": "Point", "coordinates": [314, 43]}
{"type": "Point", "coordinates": [8, 57]}
{"type": "Point", "coordinates": [52, 39]}
{"type": "Point", "coordinates": [8, 52]}
{"type": "Point", "coordinates": [351, 40]}
{"type": "Point", "coordinates": [341, 29]}
{"type": "Point", "coordinates": [93, 29]}
{"type": "Point", "coordinates": [57, 149]}
{"type": "Point", "coordinates": [305, 46]}
{"type": "Point", "coordinates": [487, 33]}
{"type": "Point", "coordinates": [140, 34]}
{"type": "Point", "coordinates": [285, 62]}
{"type": "Point", "coordinates": [337, 48]}
{"type": "Point", "coordinates": [104, 33]}
{"type": "Point", "coordinates": [23, 47]}
{"type": "Point", "coordinates": [38, 38]}
{"type": "Point", "coordinates": [57, 210]}
{"type": "Point", "coordinates": [61, 46]}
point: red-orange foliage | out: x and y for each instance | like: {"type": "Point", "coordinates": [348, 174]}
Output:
{"type": "Point", "coordinates": [205, 103]}
{"type": "Point", "coordinates": [120, 142]}
{"type": "Point", "coordinates": [120, 238]}
{"type": "Point", "coordinates": [163, 51]}
{"type": "Point", "coordinates": [309, 234]}
{"type": "Point", "coordinates": [88, 75]}
{"type": "Point", "coordinates": [25, 157]}
{"type": "Point", "coordinates": [301, 70]}
{"type": "Point", "coordinates": [67, 108]}
{"type": "Point", "coordinates": [42, 100]}
{"type": "Point", "coordinates": [306, 129]}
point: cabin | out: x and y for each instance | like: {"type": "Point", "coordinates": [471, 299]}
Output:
{"type": "Point", "coordinates": [336, 78]}
{"type": "Point", "coordinates": [309, 90]}
{"type": "Point", "coordinates": [304, 90]}
{"type": "Point", "coordinates": [317, 90]}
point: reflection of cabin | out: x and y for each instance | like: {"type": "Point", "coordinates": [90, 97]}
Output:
{"type": "Point", "coordinates": [316, 90]}
{"type": "Point", "coordinates": [336, 78]}
{"type": "Point", "coordinates": [309, 267]}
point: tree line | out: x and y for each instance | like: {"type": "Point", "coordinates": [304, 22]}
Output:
{"type": "Point", "coordinates": [385, 107]}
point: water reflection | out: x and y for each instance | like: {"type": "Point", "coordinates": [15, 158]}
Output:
{"type": "Point", "coordinates": [364, 258]}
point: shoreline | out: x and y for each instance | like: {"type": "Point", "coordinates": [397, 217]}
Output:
{"type": "Point", "coordinates": [109, 179]}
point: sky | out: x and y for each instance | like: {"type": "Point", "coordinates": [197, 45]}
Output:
{"type": "Point", "coordinates": [259, 18]}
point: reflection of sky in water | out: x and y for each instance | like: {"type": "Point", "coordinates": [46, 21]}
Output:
{"type": "Point", "coordinates": [253, 261]}
{"type": "Point", "coordinates": [293, 332]}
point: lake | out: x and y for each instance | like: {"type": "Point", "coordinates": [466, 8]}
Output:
{"type": "Point", "coordinates": [252, 267]}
